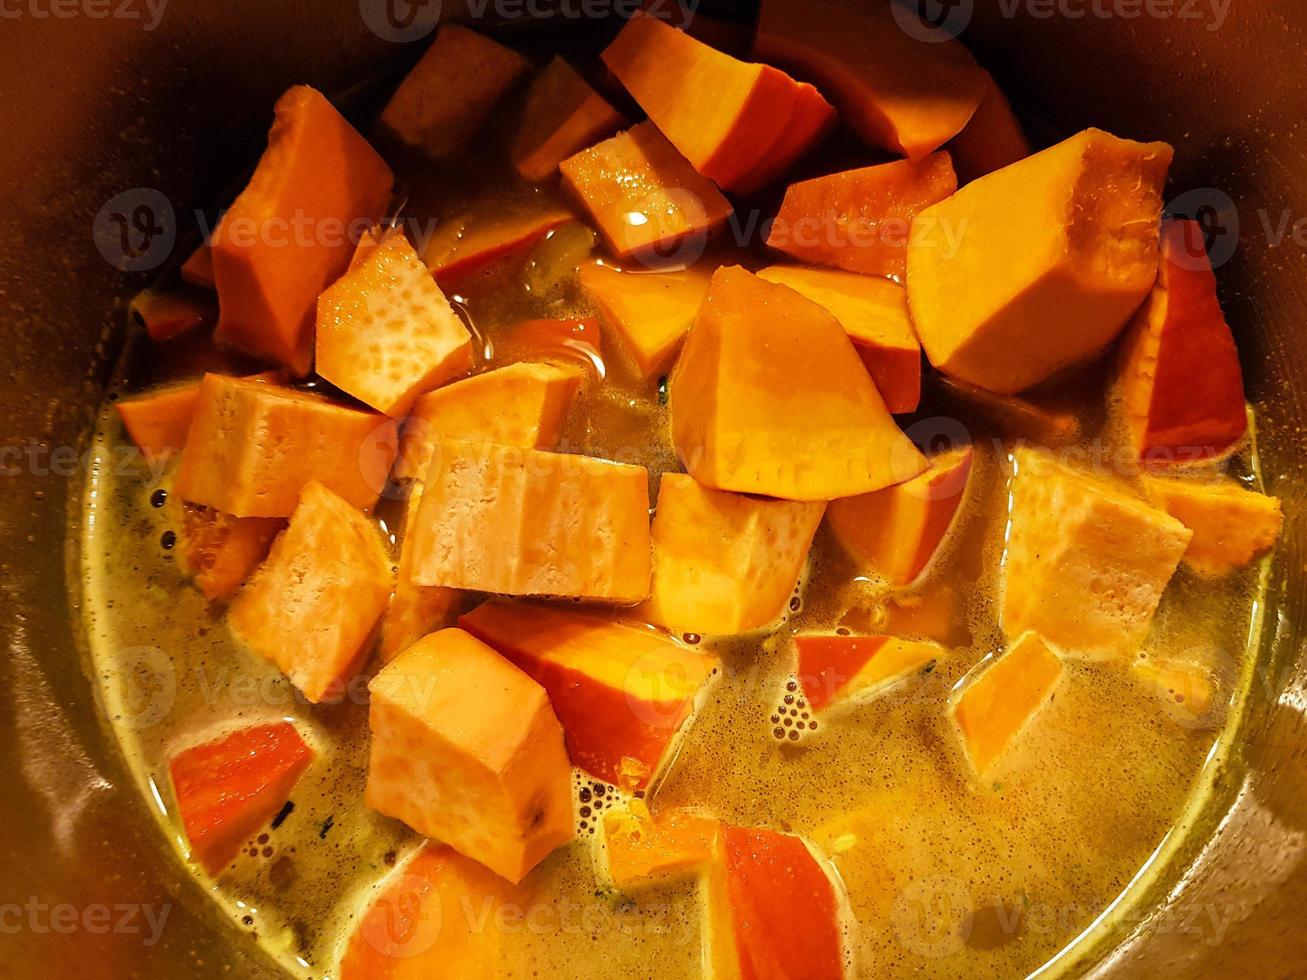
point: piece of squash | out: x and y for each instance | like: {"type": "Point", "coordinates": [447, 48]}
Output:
{"type": "Point", "coordinates": [991, 140]}
{"type": "Point", "coordinates": [159, 420]}
{"type": "Point", "coordinates": [220, 551]}
{"type": "Point", "coordinates": [835, 670]}
{"type": "Point", "coordinates": [639, 850]}
{"type": "Point", "coordinates": [561, 115]}
{"type": "Point", "coordinates": [1232, 526]}
{"type": "Point", "coordinates": [477, 243]}
{"type": "Point", "coordinates": [415, 610]}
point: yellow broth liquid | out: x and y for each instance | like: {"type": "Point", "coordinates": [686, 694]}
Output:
{"type": "Point", "coordinates": [946, 876]}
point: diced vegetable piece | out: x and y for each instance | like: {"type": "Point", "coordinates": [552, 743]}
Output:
{"type": "Point", "coordinates": [810, 119]}
{"type": "Point", "coordinates": [841, 670]}
{"type": "Point", "coordinates": [1015, 416]}
{"type": "Point", "coordinates": [996, 704]}
{"type": "Point", "coordinates": [228, 788]}
{"type": "Point", "coordinates": [473, 243]}
{"type": "Point", "coordinates": [1186, 686]}
{"type": "Point", "coordinates": [897, 90]}
{"type": "Point", "coordinates": [642, 195]}
{"type": "Point", "coordinates": [898, 531]}
{"type": "Point", "coordinates": [220, 551]}
{"type": "Point", "coordinates": [414, 610]}
{"type": "Point", "coordinates": [621, 692]}
{"type": "Point", "coordinates": [1086, 563]}
{"type": "Point", "coordinates": [448, 96]}
{"type": "Point", "coordinates": [524, 522]}
{"type": "Point", "coordinates": [640, 850]}
{"type": "Point", "coordinates": [198, 267]}
{"type": "Point", "coordinates": [1232, 526]}
{"type": "Point", "coordinates": [874, 313]}
{"type": "Point", "coordinates": [168, 315]}
{"type": "Point", "coordinates": [650, 312]}
{"type": "Point", "coordinates": [466, 749]}
{"type": "Point", "coordinates": [1181, 383]}
{"type": "Point", "coordinates": [288, 235]}
{"type": "Point", "coordinates": [159, 420]}
{"type": "Point", "coordinates": [724, 562]}
{"type": "Point", "coordinates": [771, 909]}
{"type": "Point", "coordinates": [1038, 265]}
{"type": "Point", "coordinates": [518, 405]}
{"type": "Point", "coordinates": [312, 607]}
{"type": "Point", "coordinates": [859, 219]}
{"type": "Point", "coordinates": [744, 123]}
{"type": "Point", "coordinates": [992, 140]}
{"type": "Point", "coordinates": [571, 341]}
{"type": "Point", "coordinates": [414, 928]}
{"type": "Point", "coordinates": [561, 115]}
{"type": "Point", "coordinates": [769, 397]}
{"type": "Point", "coordinates": [253, 447]}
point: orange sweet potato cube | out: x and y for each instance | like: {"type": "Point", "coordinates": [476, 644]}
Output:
{"type": "Point", "coordinates": [525, 522]}
{"type": "Point", "coordinates": [220, 551]}
{"type": "Point", "coordinates": [450, 93]}
{"type": "Point", "coordinates": [835, 670]}
{"type": "Point", "coordinates": [859, 220]}
{"type": "Point", "coordinates": [991, 140]}
{"type": "Point", "coordinates": [169, 315]}
{"type": "Point", "coordinates": [1232, 526]}
{"type": "Point", "coordinates": [414, 610]}
{"type": "Point", "coordinates": [252, 448]}
{"type": "Point", "coordinates": [643, 196]}
{"type": "Point", "coordinates": [159, 420]}
{"type": "Point", "coordinates": [466, 749]}
{"type": "Point", "coordinates": [313, 606]}
{"type": "Point", "coordinates": [288, 235]}
{"type": "Point", "coordinates": [770, 397]}
{"type": "Point", "coordinates": [639, 849]}
{"type": "Point", "coordinates": [561, 115]}
{"type": "Point", "coordinates": [622, 692]}
{"type": "Point", "coordinates": [476, 241]}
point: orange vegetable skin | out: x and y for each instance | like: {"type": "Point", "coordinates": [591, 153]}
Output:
{"type": "Point", "coordinates": [168, 315]}
{"type": "Point", "coordinates": [1185, 686]}
{"type": "Point", "coordinates": [621, 692]}
{"type": "Point", "coordinates": [253, 447]}
{"type": "Point", "coordinates": [312, 607]}
{"type": "Point", "coordinates": [896, 532]}
{"type": "Point", "coordinates": [769, 397]}
{"type": "Point", "coordinates": [1232, 527]}
{"type": "Point", "coordinates": [466, 749]}
{"type": "Point", "coordinates": [473, 243]}
{"type": "Point", "coordinates": [229, 788]}
{"type": "Point", "coordinates": [874, 313]}
{"type": "Point", "coordinates": [643, 196]}
{"type": "Point", "coordinates": [416, 928]}
{"type": "Point", "coordinates": [639, 849]}
{"type": "Point", "coordinates": [839, 669]}
{"type": "Point", "coordinates": [753, 126]}
{"type": "Point", "coordinates": [518, 405]}
{"type": "Point", "coordinates": [995, 706]}
{"type": "Point", "coordinates": [414, 610]}
{"type": "Point", "coordinates": [1086, 562]}
{"type": "Point", "coordinates": [1038, 265]}
{"type": "Point", "coordinates": [1180, 381]}
{"type": "Point", "coordinates": [525, 522]}
{"type": "Point", "coordinates": [159, 420]}
{"type": "Point", "coordinates": [291, 232]}
{"type": "Point", "coordinates": [561, 115]}
{"type": "Point", "coordinates": [220, 551]}
{"type": "Point", "coordinates": [906, 95]}
{"type": "Point", "coordinates": [445, 100]}
{"type": "Point", "coordinates": [992, 140]}
{"type": "Point", "coordinates": [386, 333]}
{"type": "Point", "coordinates": [723, 562]}
{"type": "Point", "coordinates": [859, 219]}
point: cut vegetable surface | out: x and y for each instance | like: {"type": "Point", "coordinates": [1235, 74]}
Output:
{"type": "Point", "coordinates": [220, 551]}
{"type": "Point", "coordinates": [836, 670]}
{"type": "Point", "coordinates": [158, 421]}
{"type": "Point", "coordinates": [415, 610]}
{"type": "Point", "coordinates": [639, 849]}
{"type": "Point", "coordinates": [474, 242]}
{"type": "Point", "coordinates": [1232, 526]}
{"type": "Point", "coordinates": [561, 115]}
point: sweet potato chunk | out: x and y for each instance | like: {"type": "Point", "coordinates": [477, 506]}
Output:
{"type": "Point", "coordinates": [474, 242]}
{"type": "Point", "coordinates": [466, 749]}
{"type": "Point", "coordinates": [561, 115]}
{"type": "Point", "coordinates": [874, 313]}
{"type": "Point", "coordinates": [311, 608]}
{"type": "Point", "coordinates": [159, 420]}
{"type": "Point", "coordinates": [1187, 687]}
{"type": "Point", "coordinates": [220, 551]}
{"type": "Point", "coordinates": [621, 692]}
{"type": "Point", "coordinates": [724, 562]}
{"type": "Point", "coordinates": [414, 610]}
{"type": "Point", "coordinates": [642, 195]}
{"type": "Point", "coordinates": [838, 670]}
{"type": "Point", "coordinates": [859, 219]}
{"type": "Point", "coordinates": [253, 447]}
{"type": "Point", "coordinates": [899, 92]}
{"type": "Point", "coordinates": [1181, 385]}
{"type": "Point", "coordinates": [1232, 527]}
{"type": "Point", "coordinates": [169, 315]}
{"type": "Point", "coordinates": [386, 333]}
{"type": "Point", "coordinates": [640, 850]}
{"type": "Point", "coordinates": [448, 96]}
{"type": "Point", "coordinates": [753, 125]}
{"type": "Point", "coordinates": [996, 704]}
{"type": "Point", "coordinates": [992, 140]}
{"type": "Point", "coordinates": [289, 233]}
{"type": "Point", "coordinates": [769, 397]}
{"type": "Point", "coordinates": [1086, 563]}
{"type": "Point", "coordinates": [229, 788]}
{"type": "Point", "coordinates": [525, 522]}
{"type": "Point", "coordinates": [1038, 265]}
{"type": "Point", "coordinates": [896, 532]}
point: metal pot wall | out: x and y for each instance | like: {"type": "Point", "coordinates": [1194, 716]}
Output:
{"type": "Point", "coordinates": [98, 99]}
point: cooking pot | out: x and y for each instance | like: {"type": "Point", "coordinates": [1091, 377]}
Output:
{"type": "Point", "coordinates": [105, 98]}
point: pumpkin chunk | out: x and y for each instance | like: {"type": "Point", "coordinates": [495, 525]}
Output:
{"type": "Point", "coordinates": [525, 522]}
{"type": "Point", "coordinates": [621, 692]}
{"type": "Point", "coordinates": [158, 421]}
{"type": "Point", "coordinates": [1232, 527]}
{"type": "Point", "coordinates": [723, 562]}
{"type": "Point", "coordinates": [312, 606]}
{"type": "Point", "coordinates": [769, 397]}
{"type": "Point", "coordinates": [838, 670]}
{"type": "Point", "coordinates": [220, 551]}
{"type": "Point", "coordinates": [466, 749]}
{"type": "Point", "coordinates": [639, 849]}
{"type": "Point", "coordinates": [561, 115]}
{"type": "Point", "coordinates": [1038, 265]}
{"type": "Point", "coordinates": [992, 140]}
{"type": "Point", "coordinates": [1086, 562]}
